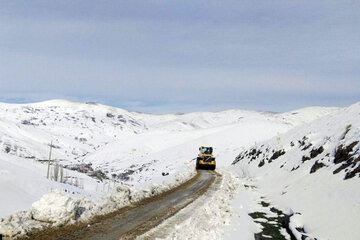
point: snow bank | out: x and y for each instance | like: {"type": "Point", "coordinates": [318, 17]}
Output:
{"type": "Point", "coordinates": [18, 224]}
{"type": "Point", "coordinates": [58, 208]}
{"type": "Point", "coordinates": [241, 225]}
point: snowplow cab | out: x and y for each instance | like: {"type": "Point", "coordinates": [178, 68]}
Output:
{"type": "Point", "coordinates": [205, 159]}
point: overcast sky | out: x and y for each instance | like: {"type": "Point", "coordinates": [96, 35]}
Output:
{"type": "Point", "coordinates": [181, 56]}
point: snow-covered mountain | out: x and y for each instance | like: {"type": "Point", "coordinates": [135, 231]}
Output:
{"type": "Point", "coordinates": [99, 145]}
{"type": "Point", "coordinates": [106, 137]}
{"type": "Point", "coordinates": [312, 171]}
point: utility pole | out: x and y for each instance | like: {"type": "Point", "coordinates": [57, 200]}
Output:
{"type": "Point", "coordinates": [48, 169]}
{"type": "Point", "coordinates": [56, 171]}
{"type": "Point", "coordinates": [61, 174]}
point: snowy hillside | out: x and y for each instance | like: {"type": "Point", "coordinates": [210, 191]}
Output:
{"type": "Point", "coordinates": [311, 171]}
{"type": "Point", "coordinates": [102, 140]}
{"type": "Point", "coordinates": [100, 145]}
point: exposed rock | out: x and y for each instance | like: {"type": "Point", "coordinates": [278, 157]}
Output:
{"type": "Point", "coordinates": [110, 115]}
{"type": "Point", "coordinates": [305, 158]}
{"type": "Point", "coordinates": [277, 154]}
{"type": "Point", "coordinates": [317, 165]}
{"type": "Point", "coordinates": [315, 152]}
{"type": "Point", "coordinates": [262, 163]}
{"type": "Point", "coordinates": [342, 153]}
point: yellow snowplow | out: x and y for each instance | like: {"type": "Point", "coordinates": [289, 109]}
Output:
{"type": "Point", "coordinates": [205, 159]}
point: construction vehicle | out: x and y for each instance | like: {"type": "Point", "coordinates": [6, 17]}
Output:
{"type": "Point", "coordinates": [205, 159]}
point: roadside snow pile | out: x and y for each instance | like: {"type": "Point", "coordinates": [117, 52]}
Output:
{"type": "Point", "coordinates": [58, 208]}
{"type": "Point", "coordinates": [19, 224]}
{"type": "Point", "coordinates": [205, 218]}
{"type": "Point", "coordinates": [312, 170]}
{"type": "Point", "coordinates": [123, 195]}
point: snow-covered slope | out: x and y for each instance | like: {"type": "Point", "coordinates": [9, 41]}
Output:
{"type": "Point", "coordinates": [115, 145]}
{"type": "Point", "coordinates": [312, 170]}
{"type": "Point", "coordinates": [112, 139]}
{"type": "Point", "coordinates": [23, 181]}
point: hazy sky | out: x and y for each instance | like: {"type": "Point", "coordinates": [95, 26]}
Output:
{"type": "Point", "coordinates": [180, 56]}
